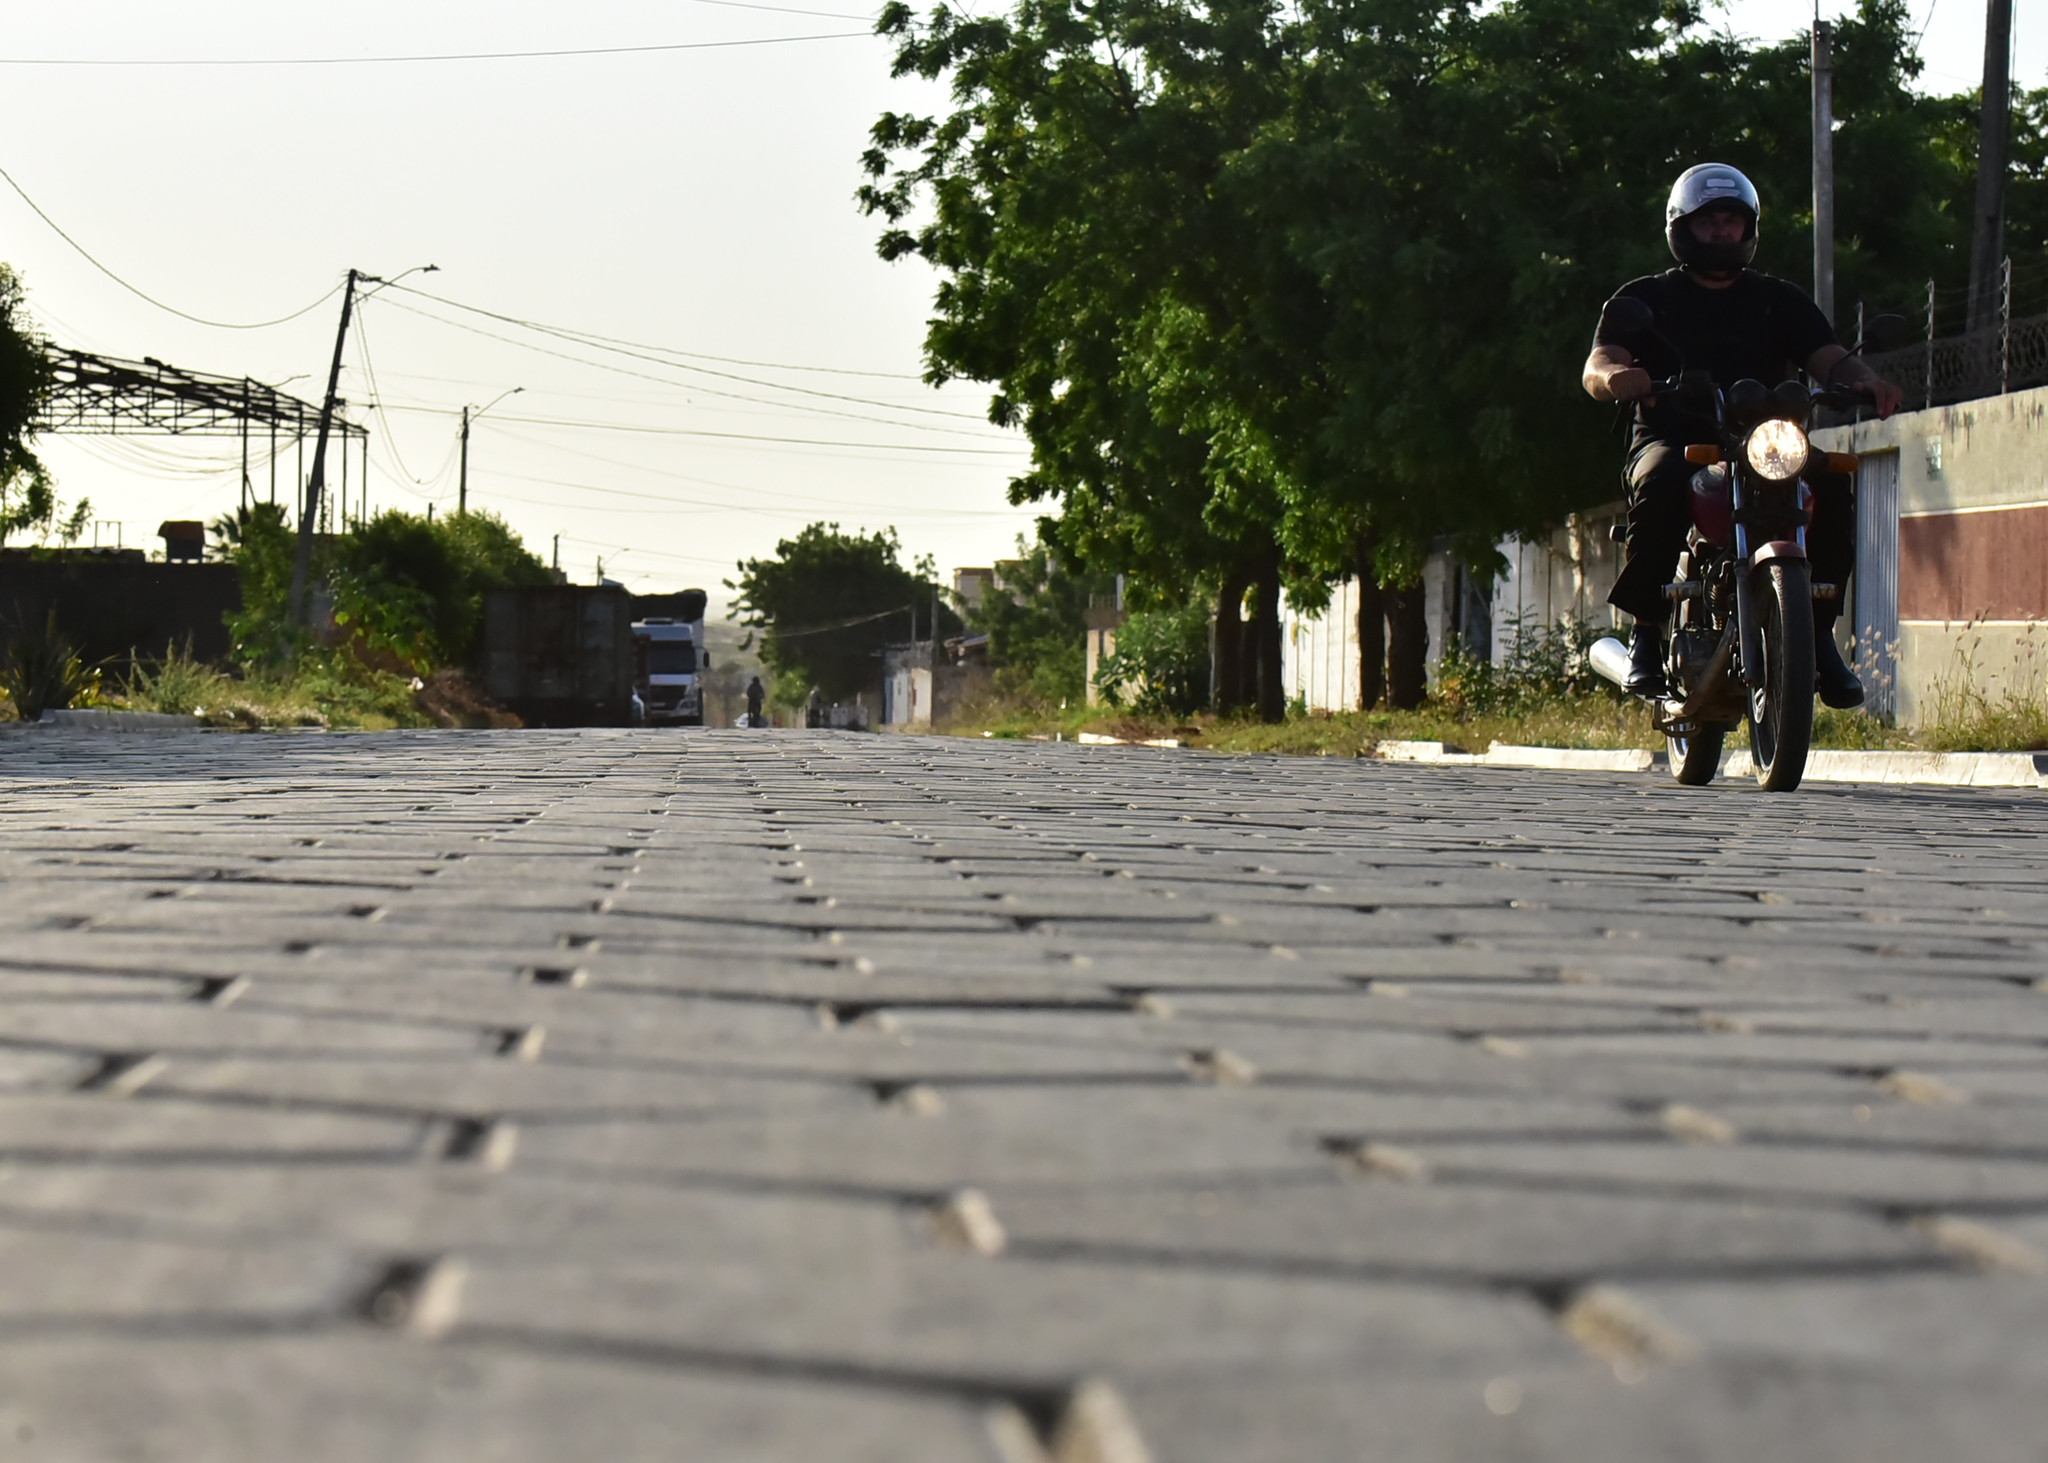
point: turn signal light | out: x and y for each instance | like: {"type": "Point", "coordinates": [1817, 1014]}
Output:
{"type": "Point", "coordinates": [1701, 454]}
{"type": "Point", "coordinates": [1843, 461]}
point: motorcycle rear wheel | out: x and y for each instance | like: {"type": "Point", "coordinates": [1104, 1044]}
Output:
{"type": "Point", "coordinates": [1781, 712]}
{"type": "Point", "coordinates": [1695, 759]}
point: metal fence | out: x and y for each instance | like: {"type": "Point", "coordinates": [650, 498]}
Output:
{"type": "Point", "coordinates": [2009, 356]}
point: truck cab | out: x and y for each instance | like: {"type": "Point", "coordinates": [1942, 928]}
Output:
{"type": "Point", "coordinates": [668, 665]}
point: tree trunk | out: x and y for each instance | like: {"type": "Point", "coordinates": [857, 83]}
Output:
{"type": "Point", "coordinates": [1228, 693]}
{"type": "Point", "coordinates": [1372, 628]}
{"type": "Point", "coordinates": [1272, 684]}
{"type": "Point", "coordinates": [1407, 648]}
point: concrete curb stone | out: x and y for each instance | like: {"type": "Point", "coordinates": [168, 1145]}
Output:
{"type": "Point", "coordinates": [106, 719]}
{"type": "Point", "coordinates": [1940, 769]}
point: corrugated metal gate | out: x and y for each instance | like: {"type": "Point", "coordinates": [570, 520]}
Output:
{"type": "Point", "coordinates": [1877, 579]}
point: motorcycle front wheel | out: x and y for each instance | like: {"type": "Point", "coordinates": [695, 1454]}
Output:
{"type": "Point", "coordinates": [1695, 759]}
{"type": "Point", "coordinates": [1781, 710]}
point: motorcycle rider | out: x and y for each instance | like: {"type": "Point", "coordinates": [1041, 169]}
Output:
{"type": "Point", "coordinates": [1734, 322]}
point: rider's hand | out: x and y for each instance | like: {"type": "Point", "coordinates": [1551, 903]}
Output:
{"type": "Point", "coordinates": [1629, 383]}
{"type": "Point", "coordinates": [1886, 397]}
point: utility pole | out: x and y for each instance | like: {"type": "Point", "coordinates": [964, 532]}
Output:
{"type": "Point", "coordinates": [309, 511]}
{"type": "Point", "coordinates": [1824, 167]}
{"type": "Point", "coordinates": [1987, 231]}
{"type": "Point", "coordinates": [470, 414]}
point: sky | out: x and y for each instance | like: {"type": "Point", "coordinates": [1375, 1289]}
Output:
{"type": "Point", "coordinates": [695, 206]}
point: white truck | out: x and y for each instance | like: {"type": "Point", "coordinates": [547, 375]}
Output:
{"type": "Point", "coordinates": [669, 661]}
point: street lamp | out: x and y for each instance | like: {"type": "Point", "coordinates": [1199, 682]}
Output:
{"type": "Point", "coordinates": [383, 284]}
{"type": "Point", "coordinates": [470, 414]}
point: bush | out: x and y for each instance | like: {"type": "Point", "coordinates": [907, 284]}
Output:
{"type": "Point", "coordinates": [408, 590]}
{"type": "Point", "coordinates": [1545, 663]}
{"type": "Point", "coordinates": [1161, 663]}
{"type": "Point", "coordinates": [41, 671]}
{"type": "Point", "coordinates": [258, 543]}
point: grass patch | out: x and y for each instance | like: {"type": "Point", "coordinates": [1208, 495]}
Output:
{"type": "Point", "coordinates": [325, 689]}
{"type": "Point", "coordinates": [1591, 720]}
{"type": "Point", "coordinates": [1968, 717]}
{"type": "Point", "coordinates": [1588, 720]}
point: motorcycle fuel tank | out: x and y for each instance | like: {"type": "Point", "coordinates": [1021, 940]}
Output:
{"type": "Point", "coordinates": [1713, 504]}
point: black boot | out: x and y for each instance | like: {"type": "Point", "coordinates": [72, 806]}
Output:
{"type": "Point", "coordinates": [1645, 660]}
{"type": "Point", "coordinates": [1834, 680]}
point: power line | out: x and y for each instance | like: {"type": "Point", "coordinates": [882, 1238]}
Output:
{"type": "Point", "coordinates": [705, 505]}
{"type": "Point", "coordinates": [407, 60]}
{"type": "Point", "coordinates": [705, 390]}
{"type": "Point", "coordinates": [151, 299]}
{"type": "Point", "coordinates": [597, 342]}
{"type": "Point", "coordinates": [771, 630]}
{"type": "Point", "coordinates": [614, 549]}
{"type": "Point", "coordinates": [813, 501]}
{"type": "Point", "coordinates": [784, 9]}
{"type": "Point", "coordinates": [727, 436]}
{"type": "Point", "coordinates": [592, 338]}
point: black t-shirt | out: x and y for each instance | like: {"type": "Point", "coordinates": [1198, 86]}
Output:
{"type": "Point", "coordinates": [1759, 327]}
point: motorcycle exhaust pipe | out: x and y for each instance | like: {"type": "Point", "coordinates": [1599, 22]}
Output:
{"type": "Point", "coordinates": [1609, 658]}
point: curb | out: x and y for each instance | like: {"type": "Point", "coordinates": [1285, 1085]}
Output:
{"type": "Point", "coordinates": [106, 719]}
{"type": "Point", "coordinates": [1098, 739]}
{"type": "Point", "coordinates": [1933, 769]}
{"type": "Point", "coordinates": [1503, 754]}
{"type": "Point", "coordinates": [1927, 769]}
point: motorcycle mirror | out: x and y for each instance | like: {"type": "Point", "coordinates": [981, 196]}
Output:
{"type": "Point", "coordinates": [1626, 315]}
{"type": "Point", "coordinates": [1886, 333]}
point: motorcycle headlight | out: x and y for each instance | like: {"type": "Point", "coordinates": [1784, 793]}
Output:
{"type": "Point", "coordinates": [1777, 450]}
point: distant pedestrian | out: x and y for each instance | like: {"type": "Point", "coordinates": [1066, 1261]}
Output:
{"type": "Point", "coordinates": [814, 709]}
{"type": "Point", "coordinates": [755, 696]}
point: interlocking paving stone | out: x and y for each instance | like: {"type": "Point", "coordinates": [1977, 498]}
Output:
{"type": "Point", "coordinates": [559, 1094]}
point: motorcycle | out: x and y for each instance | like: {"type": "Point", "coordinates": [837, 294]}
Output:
{"type": "Point", "coordinates": [1741, 648]}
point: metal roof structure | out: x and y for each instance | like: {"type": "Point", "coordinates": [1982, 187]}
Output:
{"type": "Point", "coordinates": [101, 395]}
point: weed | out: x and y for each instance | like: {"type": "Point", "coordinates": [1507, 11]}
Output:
{"type": "Point", "coordinates": [1968, 717]}
{"type": "Point", "coordinates": [177, 686]}
{"type": "Point", "coordinates": [40, 671]}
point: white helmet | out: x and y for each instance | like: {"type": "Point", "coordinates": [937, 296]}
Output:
{"type": "Point", "coordinates": [1705, 186]}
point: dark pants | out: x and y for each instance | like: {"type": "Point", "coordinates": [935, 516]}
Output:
{"type": "Point", "coordinates": [1660, 513]}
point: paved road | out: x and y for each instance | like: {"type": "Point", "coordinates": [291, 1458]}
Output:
{"type": "Point", "coordinates": [542, 1096]}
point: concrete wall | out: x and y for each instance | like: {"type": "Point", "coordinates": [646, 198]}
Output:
{"type": "Point", "coordinates": [560, 655]}
{"type": "Point", "coordinates": [1562, 577]}
{"type": "Point", "coordinates": [907, 686]}
{"type": "Point", "coordinates": [1319, 652]}
{"type": "Point", "coordinates": [112, 605]}
{"type": "Point", "coordinates": [1971, 591]}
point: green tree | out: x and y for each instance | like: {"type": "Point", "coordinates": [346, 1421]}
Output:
{"type": "Point", "coordinates": [1068, 201]}
{"type": "Point", "coordinates": [828, 602]}
{"type": "Point", "coordinates": [28, 498]}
